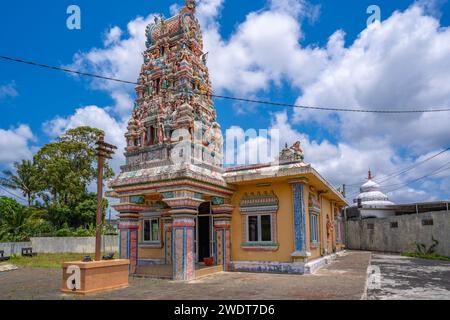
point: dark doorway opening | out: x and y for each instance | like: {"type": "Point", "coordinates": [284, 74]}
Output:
{"type": "Point", "coordinates": [204, 230]}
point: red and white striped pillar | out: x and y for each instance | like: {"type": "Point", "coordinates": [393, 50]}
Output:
{"type": "Point", "coordinates": [222, 232]}
{"type": "Point", "coordinates": [129, 230]}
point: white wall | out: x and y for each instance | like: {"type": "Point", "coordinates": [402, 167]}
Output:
{"type": "Point", "coordinates": [410, 230]}
{"type": "Point", "coordinates": [13, 247]}
{"type": "Point", "coordinates": [73, 244]}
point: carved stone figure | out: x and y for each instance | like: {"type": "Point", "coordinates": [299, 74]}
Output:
{"type": "Point", "coordinates": [330, 227]}
{"type": "Point", "coordinates": [171, 88]}
{"type": "Point", "coordinates": [298, 152]}
{"type": "Point", "coordinates": [292, 154]}
{"type": "Point", "coordinates": [161, 136]}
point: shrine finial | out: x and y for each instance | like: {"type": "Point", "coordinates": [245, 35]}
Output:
{"type": "Point", "coordinates": [190, 4]}
{"type": "Point", "coordinates": [369, 177]}
{"type": "Point", "coordinates": [292, 154]}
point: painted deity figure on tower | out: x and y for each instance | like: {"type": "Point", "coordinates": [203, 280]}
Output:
{"type": "Point", "coordinates": [174, 88]}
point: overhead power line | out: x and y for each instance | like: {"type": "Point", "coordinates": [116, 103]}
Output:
{"type": "Point", "coordinates": [400, 171]}
{"type": "Point", "coordinates": [64, 69]}
{"type": "Point", "coordinates": [434, 172]}
{"type": "Point", "coordinates": [266, 102]}
{"type": "Point", "coordinates": [426, 176]}
{"type": "Point", "coordinates": [389, 177]}
{"type": "Point", "coordinates": [12, 194]}
{"type": "Point", "coordinates": [442, 168]}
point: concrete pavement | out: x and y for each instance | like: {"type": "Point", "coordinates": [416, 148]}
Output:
{"type": "Point", "coordinates": [345, 278]}
{"type": "Point", "coordinates": [405, 278]}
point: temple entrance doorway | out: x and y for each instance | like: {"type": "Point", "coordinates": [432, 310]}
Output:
{"type": "Point", "coordinates": [204, 231]}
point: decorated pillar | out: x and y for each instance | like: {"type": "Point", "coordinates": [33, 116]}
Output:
{"type": "Point", "coordinates": [183, 212]}
{"type": "Point", "coordinates": [167, 240]}
{"type": "Point", "coordinates": [222, 234]}
{"type": "Point", "coordinates": [128, 231]}
{"type": "Point", "coordinates": [183, 255]}
{"type": "Point", "coordinates": [334, 227]}
{"type": "Point", "coordinates": [299, 202]}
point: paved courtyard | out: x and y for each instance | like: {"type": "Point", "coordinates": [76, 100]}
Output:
{"type": "Point", "coordinates": [345, 278]}
{"type": "Point", "coordinates": [409, 278]}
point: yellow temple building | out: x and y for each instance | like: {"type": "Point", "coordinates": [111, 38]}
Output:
{"type": "Point", "coordinates": [180, 208]}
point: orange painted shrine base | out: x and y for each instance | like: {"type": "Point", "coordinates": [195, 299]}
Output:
{"type": "Point", "coordinates": [97, 276]}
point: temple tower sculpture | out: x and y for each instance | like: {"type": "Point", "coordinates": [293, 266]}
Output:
{"type": "Point", "coordinates": [174, 142]}
{"type": "Point", "coordinates": [173, 104]}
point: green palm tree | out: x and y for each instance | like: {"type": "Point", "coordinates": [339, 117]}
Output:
{"type": "Point", "coordinates": [17, 223]}
{"type": "Point", "coordinates": [25, 180]}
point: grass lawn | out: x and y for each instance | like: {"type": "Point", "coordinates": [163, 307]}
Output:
{"type": "Point", "coordinates": [48, 260]}
{"type": "Point", "coordinates": [426, 256]}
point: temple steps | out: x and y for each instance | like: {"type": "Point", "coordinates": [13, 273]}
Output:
{"type": "Point", "coordinates": [204, 271]}
{"type": "Point", "coordinates": [164, 271]}
{"type": "Point", "coordinates": [157, 271]}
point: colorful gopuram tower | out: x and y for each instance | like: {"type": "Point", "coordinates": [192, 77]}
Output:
{"type": "Point", "coordinates": [174, 150]}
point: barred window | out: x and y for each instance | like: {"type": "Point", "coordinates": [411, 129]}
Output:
{"type": "Point", "coordinates": [151, 230]}
{"type": "Point", "coordinates": [253, 228]}
{"type": "Point", "coordinates": [314, 227]}
{"type": "Point", "coordinates": [259, 228]}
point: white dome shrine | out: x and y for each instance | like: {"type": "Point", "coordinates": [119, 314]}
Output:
{"type": "Point", "coordinates": [371, 198]}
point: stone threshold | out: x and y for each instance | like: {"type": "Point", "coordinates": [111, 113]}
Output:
{"type": "Point", "coordinates": [316, 264]}
{"type": "Point", "coordinates": [207, 271]}
{"type": "Point", "coordinates": [164, 271]}
{"type": "Point", "coordinates": [284, 267]}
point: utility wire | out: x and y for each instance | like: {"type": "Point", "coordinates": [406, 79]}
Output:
{"type": "Point", "coordinates": [434, 172]}
{"type": "Point", "coordinates": [64, 69]}
{"type": "Point", "coordinates": [13, 194]}
{"type": "Point", "coordinates": [266, 102]}
{"type": "Point", "coordinates": [401, 171]}
{"type": "Point", "coordinates": [404, 184]}
{"type": "Point", "coordinates": [409, 182]}
{"type": "Point", "coordinates": [389, 177]}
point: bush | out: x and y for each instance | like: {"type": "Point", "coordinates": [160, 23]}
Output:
{"type": "Point", "coordinates": [422, 248]}
{"type": "Point", "coordinates": [19, 223]}
{"type": "Point", "coordinates": [64, 231]}
{"type": "Point", "coordinates": [109, 230]}
{"type": "Point", "coordinates": [84, 232]}
{"type": "Point", "coordinates": [81, 233]}
{"type": "Point", "coordinates": [44, 229]}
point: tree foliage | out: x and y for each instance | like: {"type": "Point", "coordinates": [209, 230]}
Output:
{"type": "Point", "coordinates": [25, 179]}
{"type": "Point", "coordinates": [55, 183]}
{"type": "Point", "coordinates": [69, 165]}
{"type": "Point", "coordinates": [17, 222]}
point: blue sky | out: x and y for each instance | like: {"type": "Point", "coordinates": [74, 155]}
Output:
{"type": "Point", "coordinates": [294, 51]}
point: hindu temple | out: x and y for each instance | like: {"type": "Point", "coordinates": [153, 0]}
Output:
{"type": "Point", "coordinates": [180, 209]}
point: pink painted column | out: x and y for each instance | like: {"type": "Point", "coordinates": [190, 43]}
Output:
{"type": "Point", "coordinates": [183, 256]}
{"type": "Point", "coordinates": [183, 211]}
{"type": "Point", "coordinates": [222, 232]}
{"type": "Point", "coordinates": [167, 240]}
{"type": "Point", "coordinates": [128, 246]}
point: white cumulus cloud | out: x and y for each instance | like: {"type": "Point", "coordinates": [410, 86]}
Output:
{"type": "Point", "coordinates": [15, 144]}
{"type": "Point", "coordinates": [121, 58]}
{"type": "Point", "coordinates": [402, 63]}
{"type": "Point", "coordinates": [95, 117]}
